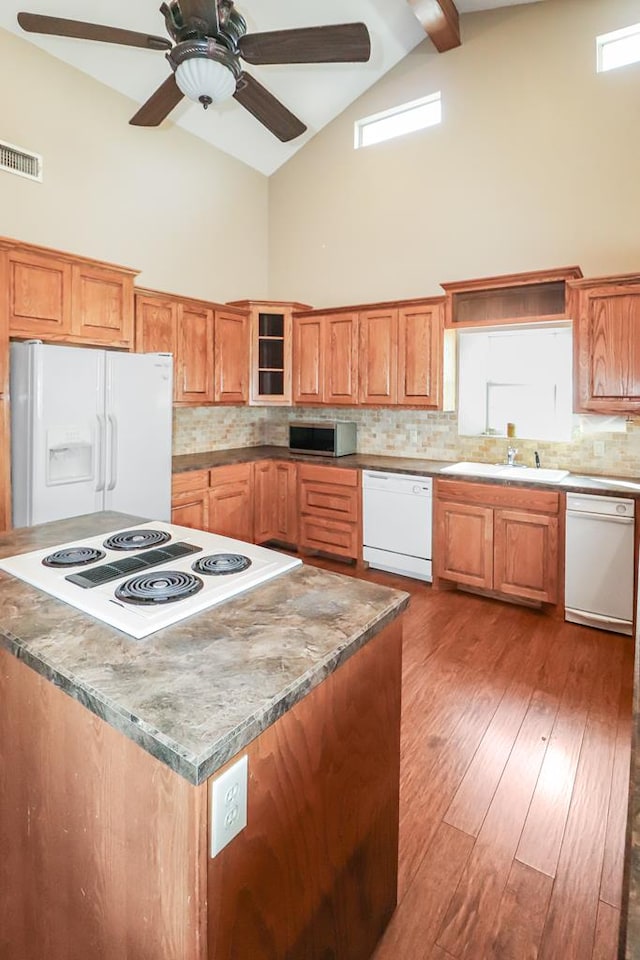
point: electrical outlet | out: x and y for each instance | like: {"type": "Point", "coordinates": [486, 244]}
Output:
{"type": "Point", "coordinates": [229, 804]}
{"type": "Point", "coordinates": [598, 448]}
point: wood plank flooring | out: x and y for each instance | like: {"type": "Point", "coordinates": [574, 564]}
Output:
{"type": "Point", "coordinates": [514, 776]}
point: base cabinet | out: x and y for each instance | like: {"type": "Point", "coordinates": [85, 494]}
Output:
{"type": "Point", "coordinates": [275, 501]}
{"type": "Point", "coordinates": [498, 538]}
{"type": "Point", "coordinates": [231, 501]}
{"type": "Point", "coordinates": [190, 499]}
{"type": "Point", "coordinates": [330, 512]}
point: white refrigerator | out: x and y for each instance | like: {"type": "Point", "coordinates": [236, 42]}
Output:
{"type": "Point", "coordinates": [90, 431]}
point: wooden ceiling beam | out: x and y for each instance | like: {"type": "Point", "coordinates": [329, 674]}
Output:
{"type": "Point", "coordinates": [441, 22]}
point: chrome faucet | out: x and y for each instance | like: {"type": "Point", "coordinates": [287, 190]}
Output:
{"type": "Point", "coordinates": [511, 456]}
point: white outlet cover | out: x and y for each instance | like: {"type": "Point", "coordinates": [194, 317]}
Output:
{"type": "Point", "coordinates": [229, 804]}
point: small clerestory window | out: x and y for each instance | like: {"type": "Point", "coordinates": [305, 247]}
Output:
{"type": "Point", "coordinates": [618, 49]}
{"type": "Point", "coordinates": [407, 118]}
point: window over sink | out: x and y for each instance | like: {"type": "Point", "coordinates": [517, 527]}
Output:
{"type": "Point", "coordinates": [520, 376]}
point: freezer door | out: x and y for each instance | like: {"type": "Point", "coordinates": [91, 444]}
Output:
{"type": "Point", "coordinates": [139, 420]}
{"type": "Point", "coordinates": [57, 396]}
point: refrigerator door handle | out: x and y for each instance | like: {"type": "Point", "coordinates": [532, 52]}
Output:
{"type": "Point", "coordinates": [113, 477]}
{"type": "Point", "coordinates": [100, 444]}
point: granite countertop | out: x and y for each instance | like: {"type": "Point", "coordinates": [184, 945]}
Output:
{"type": "Point", "coordinates": [196, 693]}
{"type": "Point", "coordinates": [574, 483]}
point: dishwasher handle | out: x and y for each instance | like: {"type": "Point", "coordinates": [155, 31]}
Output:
{"type": "Point", "coordinates": [607, 517]}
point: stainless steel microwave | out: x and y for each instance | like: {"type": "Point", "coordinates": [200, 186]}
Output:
{"type": "Point", "coordinates": [326, 438]}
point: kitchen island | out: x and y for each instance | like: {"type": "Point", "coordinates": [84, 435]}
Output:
{"type": "Point", "coordinates": [108, 746]}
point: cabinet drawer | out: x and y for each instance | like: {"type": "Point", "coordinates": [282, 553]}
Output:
{"type": "Point", "coordinates": [189, 482]}
{"type": "Point", "coordinates": [232, 474]}
{"type": "Point", "coordinates": [497, 495]}
{"type": "Point", "coordinates": [329, 500]}
{"type": "Point", "coordinates": [339, 476]}
{"type": "Point", "coordinates": [332, 536]}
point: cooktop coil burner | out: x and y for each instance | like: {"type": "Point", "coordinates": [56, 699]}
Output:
{"type": "Point", "coordinates": [162, 586]}
{"type": "Point", "coordinates": [221, 564]}
{"type": "Point", "coordinates": [73, 557]}
{"type": "Point", "coordinates": [136, 539]}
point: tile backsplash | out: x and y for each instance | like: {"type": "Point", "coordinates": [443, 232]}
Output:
{"type": "Point", "coordinates": [404, 433]}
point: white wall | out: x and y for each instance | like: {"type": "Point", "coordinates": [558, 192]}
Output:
{"type": "Point", "coordinates": [535, 165]}
{"type": "Point", "coordinates": [191, 218]}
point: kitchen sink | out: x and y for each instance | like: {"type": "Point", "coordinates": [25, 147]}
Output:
{"type": "Point", "coordinates": [505, 472]}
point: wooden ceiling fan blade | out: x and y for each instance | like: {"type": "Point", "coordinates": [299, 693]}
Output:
{"type": "Point", "coordinates": [59, 27]}
{"type": "Point", "coordinates": [267, 109]}
{"type": "Point", "coordinates": [159, 105]}
{"type": "Point", "coordinates": [335, 43]}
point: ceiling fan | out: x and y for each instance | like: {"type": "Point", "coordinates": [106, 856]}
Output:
{"type": "Point", "coordinates": [210, 38]}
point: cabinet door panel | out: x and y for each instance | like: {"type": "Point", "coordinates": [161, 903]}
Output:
{"type": "Point", "coordinates": [609, 349]}
{"type": "Point", "coordinates": [419, 356]}
{"type": "Point", "coordinates": [285, 491]}
{"type": "Point", "coordinates": [231, 501]}
{"type": "Point", "coordinates": [308, 359]}
{"type": "Point", "coordinates": [232, 358]}
{"type": "Point", "coordinates": [102, 305]}
{"type": "Point", "coordinates": [464, 544]}
{"type": "Point", "coordinates": [341, 359]}
{"type": "Point", "coordinates": [39, 295]}
{"type": "Point", "coordinates": [191, 510]}
{"type": "Point", "coordinates": [331, 536]}
{"type": "Point", "coordinates": [526, 555]}
{"type": "Point", "coordinates": [263, 500]}
{"type": "Point", "coordinates": [194, 369]}
{"type": "Point", "coordinates": [378, 356]}
{"type": "Point", "coordinates": [155, 325]}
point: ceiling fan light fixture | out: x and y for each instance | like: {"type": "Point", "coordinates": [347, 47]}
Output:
{"type": "Point", "coordinates": [206, 81]}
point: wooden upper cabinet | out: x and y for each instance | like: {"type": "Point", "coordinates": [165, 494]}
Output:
{"type": "Point", "coordinates": [607, 345]}
{"type": "Point", "coordinates": [156, 324]}
{"type": "Point", "coordinates": [420, 356]}
{"type": "Point", "coordinates": [512, 298]}
{"type": "Point", "coordinates": [378, 356]}
{"type": "Point", "coordinates": [308, 359]}
{"type": "Point", "coordinates": [231, 357]}
{"type": "Point", "coordinates": [60, 298]}
{"type": "Point", "coordinates": [341, 359]}
{"type": "Point", "coordinates": [193, 367]}
{"type": "Point", "coordinates": [102, 305]}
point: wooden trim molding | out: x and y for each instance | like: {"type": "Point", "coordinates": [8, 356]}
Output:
{"type": "Point", "coordinates": [441, 22]}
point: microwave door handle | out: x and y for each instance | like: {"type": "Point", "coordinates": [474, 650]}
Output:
{"type": "Point", "coordinates": [113, 475]}
{"type": "Point", "coordinates": [101, 453]}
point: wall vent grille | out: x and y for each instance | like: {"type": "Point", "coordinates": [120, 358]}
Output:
{"type": "Point", "coordinates": [21, 162]}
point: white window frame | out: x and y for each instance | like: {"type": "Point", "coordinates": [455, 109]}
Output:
{"type": "Point", "coordinates": [379, 120]}
{"type": "Point", "coordinates": [605, 42]}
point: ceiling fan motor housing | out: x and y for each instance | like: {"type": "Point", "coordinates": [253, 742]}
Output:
{"type": "Point", "coordinates": [193, 62]}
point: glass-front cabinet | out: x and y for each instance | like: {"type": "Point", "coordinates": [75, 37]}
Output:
{"type": "Point", "coordinates": [271, 350]}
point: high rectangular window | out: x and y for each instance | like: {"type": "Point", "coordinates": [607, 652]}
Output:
{"type": "Point", "coordinates": [618, 49]}
{"type": "Point", "coordinates": [407, 118]}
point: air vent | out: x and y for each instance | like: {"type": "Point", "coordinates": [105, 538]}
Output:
{"type": "Point", "coordinates": [16, 160]}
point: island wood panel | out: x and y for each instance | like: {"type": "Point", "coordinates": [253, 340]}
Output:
{"type": "Point", "coordinates": [103, 304]}
{"type": "Point", "coordinates": [231, 357]}
{"type": "Point", "coordinates": [607, 347]}
{"type": "Point", "coordinates": [313, 875]}
{"type": "Point", "coordinates": [308, 359]}
{"type": "Point", "coordinates": [39, 294]}
{"type": "Point", "coordinates": [194, 369]}
{"type": "Point", "coordinates": [420, 356]}
{"type": "Point", "coordinates": [103, 847]}
{"type": "Point", "coordinates": [378, 366]}
{"type": "Point", "coordinates": [341, 359]}
{"type": "Point", "coordinates": [526, 555]}
{"type": "Point", "coordinates": [231, 501]}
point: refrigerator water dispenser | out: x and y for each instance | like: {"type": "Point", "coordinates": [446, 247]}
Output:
{"type": "Point", "coordinates": [69, 455]}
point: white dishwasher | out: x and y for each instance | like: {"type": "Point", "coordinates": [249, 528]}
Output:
{"type": "Point", "coordinates": [599, 562]}
{"type": "Point", "coordinates": [397, 523]}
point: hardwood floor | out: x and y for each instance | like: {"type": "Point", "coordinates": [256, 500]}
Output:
{"type": "Point", "coordinates": [515, 759]}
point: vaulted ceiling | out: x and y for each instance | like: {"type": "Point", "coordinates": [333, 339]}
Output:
{"type": "Point", "coordinates": [315, 93]}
